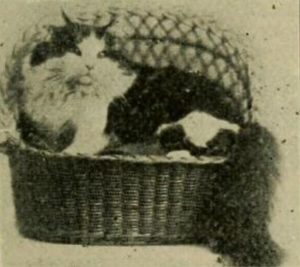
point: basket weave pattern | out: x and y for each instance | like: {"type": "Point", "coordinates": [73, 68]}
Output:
{"type": "Point", "coordinates": [164, 40]}
{"type": "Point", "coordinates": [79, 200]}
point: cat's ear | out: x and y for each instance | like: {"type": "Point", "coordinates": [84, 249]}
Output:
{"type": "Point", "coordinates": [100, 31]}
{"type": "Point", "coordinates": [66, 18]}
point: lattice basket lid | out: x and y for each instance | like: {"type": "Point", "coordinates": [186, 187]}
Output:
{"type": "Point", "coordinates": [157, 40]}
{"type": "Point", "coordinates": [188, 43]}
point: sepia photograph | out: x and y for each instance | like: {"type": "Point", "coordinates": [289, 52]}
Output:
{"type": "Point", "coordinates": [149, 133]}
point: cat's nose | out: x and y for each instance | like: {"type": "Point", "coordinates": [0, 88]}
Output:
{"type": "Point", "coordinates": [89, 67]}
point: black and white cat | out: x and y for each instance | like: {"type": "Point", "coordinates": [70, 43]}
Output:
{"type": "Point", "coordinates": [69, 84]}
{"type": "Point", "coordinates": [78, 98]}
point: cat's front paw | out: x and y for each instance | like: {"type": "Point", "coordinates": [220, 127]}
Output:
{"type": "Point", "coordinates": [83, 150]}
{"type": "Point", "coordinates": [88, 147]}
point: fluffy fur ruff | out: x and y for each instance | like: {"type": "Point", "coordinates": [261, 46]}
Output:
{"type": "Point", "coordinates": [237, 211]}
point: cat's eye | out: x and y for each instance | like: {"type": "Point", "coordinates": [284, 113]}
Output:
{"type": "Point", "coordinates": [76, 51]}
{"type": "Point", "coordinates": [40, 53]}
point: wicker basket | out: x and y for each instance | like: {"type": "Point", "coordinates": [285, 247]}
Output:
{"type": "Point", "coordinates": [110, 199]}
{"type": "Point", "coordinates": [124, 199]}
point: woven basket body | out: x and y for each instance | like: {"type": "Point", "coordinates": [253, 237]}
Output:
{"type": "Point", "coordinates": [104, 200]}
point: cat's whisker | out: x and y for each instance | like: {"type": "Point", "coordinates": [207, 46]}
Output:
{"type": "Point", "coordinates": [53, 94]}
{"type": "Point", "coordinates": [52, 77]}
{"type": "Point", "coordinates": [58, 79]}
{"type": "Point", "coordinates": [37, 97]}
{"type": "Point", "coordinates": [57, 70]}
{"type": "Point", "coordinates": [66, 96]}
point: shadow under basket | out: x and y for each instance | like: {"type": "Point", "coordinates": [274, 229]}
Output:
{"type": "Point", "coordinates": [110, 199]}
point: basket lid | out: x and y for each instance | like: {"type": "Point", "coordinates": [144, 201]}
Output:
{"type": "Point", "coordinates": [161, 40]}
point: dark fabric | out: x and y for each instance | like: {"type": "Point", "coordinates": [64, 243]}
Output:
{"type": "Point", "coordinates": [239, 207]}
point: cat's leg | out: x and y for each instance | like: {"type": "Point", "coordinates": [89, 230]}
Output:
{"type": "Point", "coordinates": [90, 122]}
{"type": "Point", "coordinates": [88, 143]}
{"type": "Point", "coordinates": [89, 138]}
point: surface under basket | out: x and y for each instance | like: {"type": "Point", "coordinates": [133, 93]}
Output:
{"type": "Point", "coordinates": [109, 200]}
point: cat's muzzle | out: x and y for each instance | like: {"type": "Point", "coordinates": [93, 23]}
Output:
{"type": "Point", "coordinates": [78, 81]}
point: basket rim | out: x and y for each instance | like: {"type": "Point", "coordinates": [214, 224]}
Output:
{"type": "Point", "coordinates": [17, 147]}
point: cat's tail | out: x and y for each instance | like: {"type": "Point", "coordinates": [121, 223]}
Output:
{"type": "Point", "coordinates": [239, 208]}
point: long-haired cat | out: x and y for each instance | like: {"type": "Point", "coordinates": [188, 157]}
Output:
{"type": "Point", "coordinates": [72, 85]}
{"type": "Point", "coordinates": [69, 83]}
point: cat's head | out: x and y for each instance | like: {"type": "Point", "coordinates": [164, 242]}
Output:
{"type": "Point", "coordinates": [74, 62]}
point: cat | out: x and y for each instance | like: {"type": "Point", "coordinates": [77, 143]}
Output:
{"type": "Point", "coordinates": [79, 98]}
{"type": "Point", "coordinates": [196, 134]}
{"type": "Point", "coordinates": [179, 110]}
{"type": "Point", "coordinates": [68, 84]}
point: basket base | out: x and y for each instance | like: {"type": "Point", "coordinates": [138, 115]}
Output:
{"type": "Point", "coordinates": [78, 201]}
{"type": "Point", "coordinates": [139, 240]}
